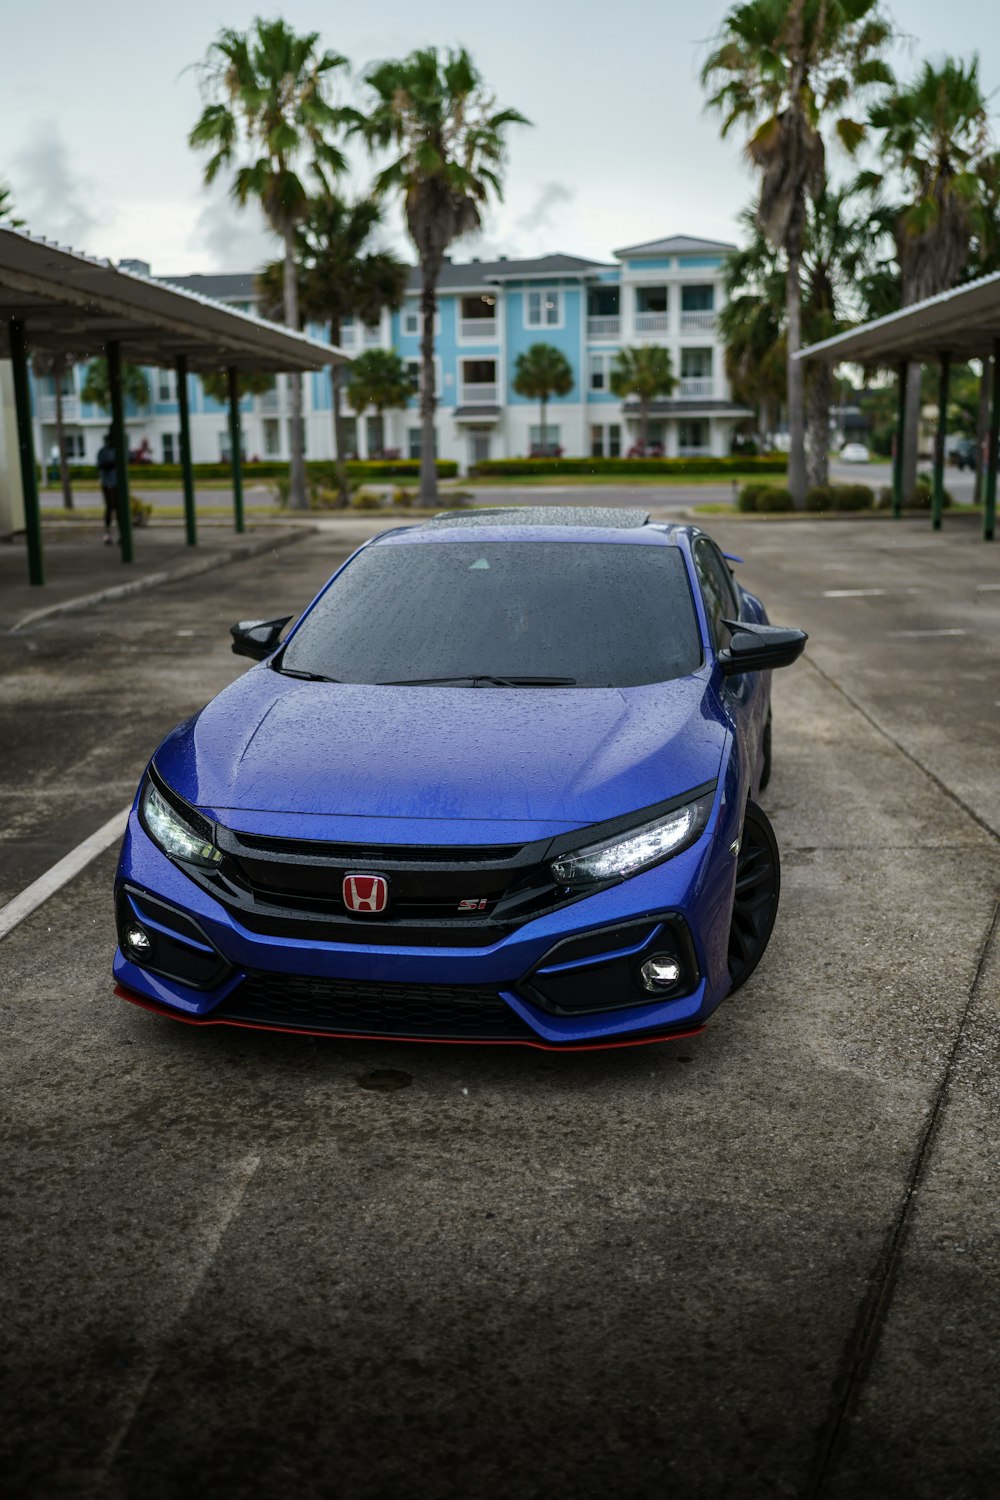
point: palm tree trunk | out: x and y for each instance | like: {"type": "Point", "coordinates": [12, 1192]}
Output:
{"type": "Point", "coordinates": [297, 469]}
{"type": "Point", "coordinates": [819, 396]}
{"type": "Point", "coordinates": [982, 427]}
{"type": "Point", "coordinates": [339, 442]}
{"type": "Point", "coordinates": [428, 395]}
{"type": "Point", "coordinates": [67, 490]}
{"type": "Point", "coordinates": [911, 432]}
{"type": "Point", "coordinates": [796, 393]}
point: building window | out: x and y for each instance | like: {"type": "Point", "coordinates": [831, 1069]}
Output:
{"type": "Point", "coordinates": [170, 456]}
{"type": "Point", "coordinates": [272, 436]}
{"type": "Point", "coordinates": [696, 364]}
{"type": "Point", "coordinates": [165, 390]}
{"type": "Point", "coordinates": [411, 321]}
{"type": "Point", "coordinates": [225, 450]}
{"type": "Point", "coordinates": [550, 447]}
{"type": "Point", "coordinates": [543, 309]}
{"type": "Point", "coordinates": [599, 372]}
{"type": "Point", "coordinates": [693, 437]}
{"type": "Point", "coordinates": [413, 438]}
{"type": "Point", "coordinates": [651, 299]}
{"type": "Point", "coordinates": [74, 445]}
{"type": "Point", "coordinates": [606, 442]}
{"type": "Point", "coordinates": [413, 374]}
{"type": "Point", "coordinates": [697, 298]}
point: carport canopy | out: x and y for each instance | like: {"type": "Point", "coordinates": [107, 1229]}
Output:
{"type": "Point", "coordinates": [960, 324]}
{"type": "Point", "coordinates": [54, 300]}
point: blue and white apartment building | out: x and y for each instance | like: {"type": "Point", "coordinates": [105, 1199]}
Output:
{"type": "Point", "coordinates": [666, 292]}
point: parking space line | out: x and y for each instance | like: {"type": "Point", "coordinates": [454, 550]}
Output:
{"type": "Point", "coordinates": [62, 872]}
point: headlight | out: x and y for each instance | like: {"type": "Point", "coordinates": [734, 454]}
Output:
{"type": "Point", "coordinates": [627, 854]}
{"type": "Point", "coordinates": [174, 836]}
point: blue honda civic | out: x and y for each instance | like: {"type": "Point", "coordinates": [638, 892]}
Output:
{"type": "Point", "coordinates": [496, 785]}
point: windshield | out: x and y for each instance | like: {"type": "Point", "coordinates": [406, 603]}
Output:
{"type": "Point", "coordinates": [492, 613]}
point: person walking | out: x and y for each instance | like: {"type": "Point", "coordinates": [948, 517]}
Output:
{"type": "Point", "coordinates": [107, 468]}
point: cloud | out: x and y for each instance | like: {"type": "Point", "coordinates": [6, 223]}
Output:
{"type": "Point", "coordinates": [52, 196]}
{"type": "Point", "coordinates": [534, 231]}
{"type": "Point", "coordinates": [229, 238]}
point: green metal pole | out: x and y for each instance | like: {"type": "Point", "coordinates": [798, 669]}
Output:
{"type": "Point", "coordinates": [937, 498]}
{"type": "Point", "coordinates": [990, 506]}
{"type": "Point", "coordinates": [236, 456]}
{"type": "Point", "coordinates": [897, 462]}
{"type": "Point", "coordinates": [26, 449]}
{"type": "Point", "coordinates": [187, 472]}
{"type": "Point", "coordinates": [121, 451]}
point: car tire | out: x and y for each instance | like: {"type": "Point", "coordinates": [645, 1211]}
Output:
{"type": "Point", "coordinates": [765, 775]}
{"type": "Point", "coordinates": [755, 902]}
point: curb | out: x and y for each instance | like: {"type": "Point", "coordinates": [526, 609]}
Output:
{"type": "Point", "coordinates": [154, 580]}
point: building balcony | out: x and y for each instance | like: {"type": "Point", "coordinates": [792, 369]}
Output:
{"type": "Point", "coordinates": [697, 385]}
{"type": "Point", "coordinates": [702, 321]}
{"type": "Point", "coordinates": [372, 336]}
{"type": "Point", "coordinates": [604, 328]}
{"type": "Point", "coordinates": [652, 322]}
{"type": "Point", "coordinates": [478, 330]}
{"type": "Point", "coordinates": [47, 408]}
{"type": "Point", "coordinates": [479, 393]}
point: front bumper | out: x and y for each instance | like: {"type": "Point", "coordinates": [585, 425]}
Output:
{"type": "Point", "coordinates": [566, 979]}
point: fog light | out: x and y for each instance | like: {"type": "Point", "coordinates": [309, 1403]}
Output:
{"type": "Point", "coordinates": [661, 972]}
{"type": "Point", "coordinates": [137, 939]}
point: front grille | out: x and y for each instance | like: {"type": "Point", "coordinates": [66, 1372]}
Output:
{"type": "Point", "coordinates": [447, 1013]}
{"type": "Point", "coordinates": [293, 888]}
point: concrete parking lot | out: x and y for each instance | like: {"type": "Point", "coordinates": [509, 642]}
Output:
{"type": "Point", "coordinates": [762, 1262]}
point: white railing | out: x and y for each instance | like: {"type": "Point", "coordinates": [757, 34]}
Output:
{"type": "Point", "coordinates": [608, 327]}
{"type": "Point", "coordinates": [271, 402]}
{"type": "Point", "coordinates": [652, 322]}
{"type": "Point", "coordinates": [347, 336]}
{"type": "Point", "coordinates": [479, 394]}
{"type": "Point", "coordinates": [692, 322]}
{"type": "Point", "coordinates": [697, 385]}
{"type": "Point", "coordinates": [47, 408]}
{"type": "Point", "coordinates": [373, 335]}
{"type": "Point", "coordinates": [688, 451]}
{"type": "Point", "coordinates": [483, 330]}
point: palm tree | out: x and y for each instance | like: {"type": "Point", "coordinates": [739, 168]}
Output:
{"type": "Point", "coordinates": [781, 67]}
{"type": "Point", "coordinates": [266, 98]}
{"type": "Point", "coordinates": [644, 372]}
{"type": "Point", "coordinates": [434, 110]}
{"type": "Point", "coordinates": [379, 379]}
{"type": "Point", "coordinates": [541, 372]}
{"type": "Point", "coordinates": [836, 257]}
{"type": "Point", "coordinates": [340, 276]}
{"type": "Point", "coordinates": [96, 388]}
{"type": "Point", "coordinates": [57, 366]}
{"type": "Point", "coordinates": [215, 384]}
{"type": "Point", "coordinates": [7, 214]}
{"type": "Point", "coordinates": [935, 140]}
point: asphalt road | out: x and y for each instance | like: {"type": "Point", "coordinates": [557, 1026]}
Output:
{"type": "Point", "coordinates": [762, 1262]}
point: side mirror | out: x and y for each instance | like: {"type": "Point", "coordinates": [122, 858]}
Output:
{"type": "Point", "coordinates": [760, 648]}
{"type": "Point", "coordinates": [257, 638]}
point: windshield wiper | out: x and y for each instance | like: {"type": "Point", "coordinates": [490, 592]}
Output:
{"type": "Point", "coordinates": [304, 676]}
{"type": "Point", "coordinates": [481, 678]}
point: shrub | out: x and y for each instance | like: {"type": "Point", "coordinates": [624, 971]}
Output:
{"type": "Point", "coordinates": [141, 510]}
{"type": "Point", "coordinates": [774, 499]}
{"type": "Point", "coordinates": [840, 497]}
{"type": "Point", "coordinates": [402, 499]}
{"type": "Point", "coordinates": [366, 500]}
{"type": "Point", "coordinates": [923, 493]}
{"type": "Point", "coordinates": [772, 463]}
{"type": "Point", "coordinates": [746, 500]}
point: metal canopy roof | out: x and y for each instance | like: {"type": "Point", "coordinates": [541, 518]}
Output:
{"type": "Point", "coordinates": [963, 323]}
{"type": "Point", "coordinates": [77, 305]}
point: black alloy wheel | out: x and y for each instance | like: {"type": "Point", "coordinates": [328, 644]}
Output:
{"type": "Point", "coordinates": [755, 905]}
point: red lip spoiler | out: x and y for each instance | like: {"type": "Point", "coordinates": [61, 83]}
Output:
{"type": "Point", "coordinates": [353, 1036]}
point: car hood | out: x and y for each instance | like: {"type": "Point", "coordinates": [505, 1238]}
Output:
{"type": "Point", "coordinates": [556, 758]}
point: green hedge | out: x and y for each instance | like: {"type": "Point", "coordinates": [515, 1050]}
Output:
{"type": "Point", "coordinates": [498, 467]}
{"type": "Point", "coordinates": [840, 497]}
{"type": "Point", "coordinates": [764, 498]}
{"type": "Point", "coordinates": [319, 469]}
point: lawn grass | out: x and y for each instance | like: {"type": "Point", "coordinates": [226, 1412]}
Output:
{"type": "Point", "coordinates": [616, 481]}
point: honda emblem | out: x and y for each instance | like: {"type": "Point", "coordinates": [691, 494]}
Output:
{"type": "Point", "coordinates": [366, 893]}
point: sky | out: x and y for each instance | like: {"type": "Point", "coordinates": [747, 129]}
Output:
{"type": "Point", "coordinates": [98, 99]}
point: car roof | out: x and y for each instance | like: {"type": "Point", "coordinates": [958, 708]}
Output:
{"type": "Point", "coordinates": [554, 522]}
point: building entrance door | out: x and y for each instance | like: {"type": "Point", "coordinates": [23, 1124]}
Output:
{"type": "Point", "coordinates": [479, 447]}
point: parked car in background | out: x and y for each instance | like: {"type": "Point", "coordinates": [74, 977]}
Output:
{"type": "Point", "coordinates": [854, 453]}
{"type": "Point", "coordinates": [962, 452]}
